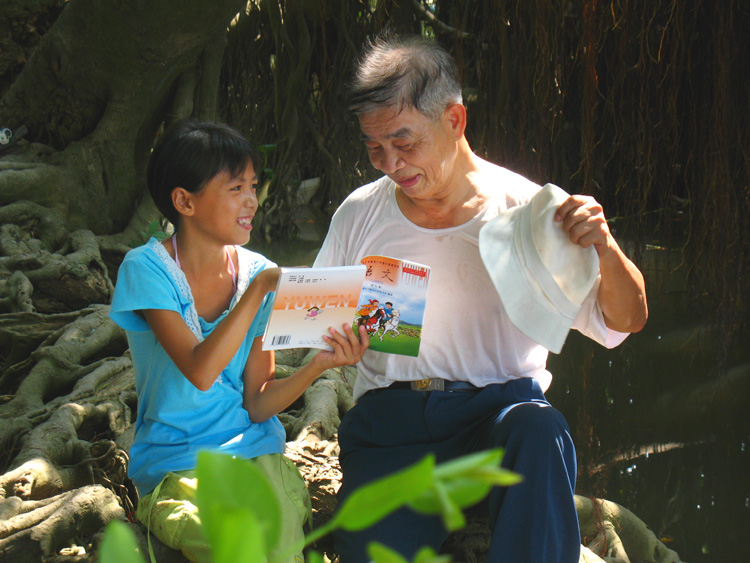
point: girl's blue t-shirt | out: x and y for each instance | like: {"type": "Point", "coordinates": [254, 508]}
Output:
{"type": "Point", "coordinates": [175, 419]}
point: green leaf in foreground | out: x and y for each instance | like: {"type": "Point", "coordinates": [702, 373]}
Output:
{"type": "Point", "coordinates": [461, 483]}
{"type": "Point", "coordinates": [239, 539]}
{"type": "Point", "coordinates": [428, 555]}
{"type": "Point", "coordinates": [373, 501]}
{"type": "Point", "coordinates": [119, 545]}
{"type": "Point", "coordinates": [380, 553]}
{"type": "Point", "coordinates": [235, 499]}
{"type": "Point", "coordinates": [314, 557]}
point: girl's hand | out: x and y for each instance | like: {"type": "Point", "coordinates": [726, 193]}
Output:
{"type": "Point", "coordinates": [347, 348]}
{"type": "Point", "coordinates": [267, 280]}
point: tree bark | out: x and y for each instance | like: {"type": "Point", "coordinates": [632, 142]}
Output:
{"type": "Point", "coordinates": [94, 95]}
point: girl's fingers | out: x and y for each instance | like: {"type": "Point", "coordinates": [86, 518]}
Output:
{"type": "Point", "coordinates": [347, 348]}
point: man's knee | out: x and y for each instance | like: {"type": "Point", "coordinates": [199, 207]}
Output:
{"type": "Point", "coordinates": [534, 422]}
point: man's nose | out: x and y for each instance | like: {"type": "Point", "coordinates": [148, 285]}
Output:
{"type": "Point", "coordinates": [389, 162]}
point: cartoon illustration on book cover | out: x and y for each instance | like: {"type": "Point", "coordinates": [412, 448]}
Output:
{"type": "Point", "coordinates": [392, 304]}
{"type": "Point", "coordinates": [313, 313]}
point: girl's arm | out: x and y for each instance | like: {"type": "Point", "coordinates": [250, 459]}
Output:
{"type": "Point", "coordinates": [202, 362]}
{"type": "Point", "coordinates": [265, 396]}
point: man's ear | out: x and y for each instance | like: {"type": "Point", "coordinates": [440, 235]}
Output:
{"type": "Point", "coordinates": [183, 202]}
{"type": "Point", "coordinates": [456, 116]}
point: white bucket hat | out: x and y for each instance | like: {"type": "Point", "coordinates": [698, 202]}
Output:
{"type": "Point", "coordinates": [541, 276]}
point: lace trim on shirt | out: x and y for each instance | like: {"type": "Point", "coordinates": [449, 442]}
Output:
{"type": "Point", "coordinates": [247, 270]}
{"type": "Point", "coordinates": [191, 317]}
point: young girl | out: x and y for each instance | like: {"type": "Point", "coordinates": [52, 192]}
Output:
{"type": "Point", "coordinates": [194, 308]}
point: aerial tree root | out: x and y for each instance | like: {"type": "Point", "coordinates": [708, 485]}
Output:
{"type": "Point", "coordinates": [40, 529]}
{"type": "Point", "coordinates": [323, 403]}
{"type": "Point", "coordinates": [42, 269]}
{"type": "Point", "coordinates": [62, 473]}
{"type": "Point", "coordinates": [618, 535]}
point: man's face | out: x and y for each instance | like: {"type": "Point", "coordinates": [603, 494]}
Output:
{"type": "Point", "coordinates": [414, 151]}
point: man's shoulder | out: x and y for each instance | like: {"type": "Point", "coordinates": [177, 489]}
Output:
{"type": "Point", "coordinates": [372, 195]}
{"type": "Point", "coordinates": [377, 190]}
{"type": "Point", "coordinates": [511, 187]}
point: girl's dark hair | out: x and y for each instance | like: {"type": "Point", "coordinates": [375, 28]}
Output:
{"type": "Point", "coordinates": [189, 154]}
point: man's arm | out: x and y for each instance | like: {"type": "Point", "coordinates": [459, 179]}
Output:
{"type": "Point", "coordinates": [622, 292]}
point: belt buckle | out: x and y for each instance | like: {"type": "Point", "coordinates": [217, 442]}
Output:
{"type": "Point", "coordinates": [428, 384]}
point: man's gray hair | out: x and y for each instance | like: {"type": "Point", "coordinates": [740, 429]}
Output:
{"type": "Point", "coordinates": [405, 72]}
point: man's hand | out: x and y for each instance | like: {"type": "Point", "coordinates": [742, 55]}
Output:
{"type": "Point", "coordinates": [583, 219]}
{"type": "Point", "coordinates": [622, 292]}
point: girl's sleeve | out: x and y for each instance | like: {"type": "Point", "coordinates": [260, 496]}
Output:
{"type": "Point", "coordinates": [141, 284]}
{"type": "Point", "coordinates": [258, 328]}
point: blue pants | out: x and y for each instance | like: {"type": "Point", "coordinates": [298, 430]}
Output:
{"type": "Point", "coordinates": [534, 521]}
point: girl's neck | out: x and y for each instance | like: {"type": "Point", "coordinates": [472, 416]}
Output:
{"type": "Point", "coordinates": [200, 259]}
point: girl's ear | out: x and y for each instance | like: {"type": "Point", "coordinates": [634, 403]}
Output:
{"type": "Point", "coordinates": [183, 202]}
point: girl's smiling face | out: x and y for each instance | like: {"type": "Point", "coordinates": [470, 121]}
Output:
{"type": "Point", "coordinates": [225, 207]}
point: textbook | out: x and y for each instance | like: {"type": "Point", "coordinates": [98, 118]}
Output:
{"type": "Point", "coordinates": [392, 304]}
{"type": "Point", "coordinates": [386, 295]}
{"type": "Point", "coordinates": [308, 301]}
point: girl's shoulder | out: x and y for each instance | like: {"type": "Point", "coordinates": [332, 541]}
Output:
{"type": "Point", "coordinates": [251, 263]}
{"type": "Point", "coordinates": [150, 264]}
{"type": "Point", "coordinates": [151, 251]}
{"type": "Point", "coordinates": [247, 255]}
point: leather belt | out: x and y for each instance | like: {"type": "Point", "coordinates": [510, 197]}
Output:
{"type": "Point", "coordinates": [433, 384]}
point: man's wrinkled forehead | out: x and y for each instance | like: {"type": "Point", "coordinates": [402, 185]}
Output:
{"type": "Point", "coordinates": [401, 133]}
{"type": "Point", "coordinates": [391, 123]}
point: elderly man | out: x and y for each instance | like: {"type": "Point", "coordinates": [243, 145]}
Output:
{"type": "Point", "coordinates": [429, 208]}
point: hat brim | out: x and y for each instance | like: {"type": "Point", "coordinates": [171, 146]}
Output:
{"type": "Point", "coordinates": [503, 263]}
{"type": "Point", "coordinates": [526, 303]}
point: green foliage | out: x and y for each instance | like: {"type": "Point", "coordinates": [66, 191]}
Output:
{"type": "Point", "coordinates": [383, 554]}
{"type": "Point", "coordinates": [239, 509]}
{"type": "Point", "coordinates": [374, 501]}
{"type": "Point", "coordinates": [119, 545]}
{"type": "Point", "coordinates": [265, 168]}
{"type": "Point", "coordinates": [461, 483]}
{"type": "Point", "coordinates": [155, 229]}
{"type": "Point", "coordinates": [241, 516]}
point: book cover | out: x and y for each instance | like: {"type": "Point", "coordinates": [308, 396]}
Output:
{"type": "Point", "coordinates": [308, 301]}
{"type": "Point", "coordinates": [392, 304]}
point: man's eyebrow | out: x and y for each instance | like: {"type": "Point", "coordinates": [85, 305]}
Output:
{"type": "Point", "coordinates": [398, 134]}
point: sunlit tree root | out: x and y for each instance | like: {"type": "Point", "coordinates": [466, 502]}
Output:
{"type": "Point", "coordinates": [618, 535]}
{"type": "Point", "coordinates": [44, 269]}
{"type": "Point", "coordinates": [37, 530]}
{"type": "Point", "coordinates": [324, 403]}
{"type": "Point", "coordinates": [64, 476]}
{"type": "Point", "coordinates": [611, 534]}
{"type": "Point", "coordinates": [57, 374]}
